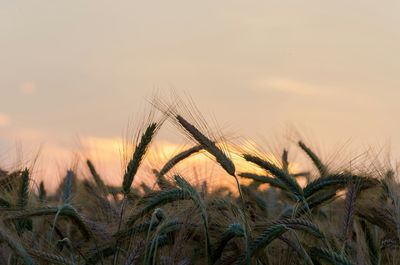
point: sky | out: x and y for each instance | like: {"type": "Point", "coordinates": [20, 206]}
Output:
{"type": "Point", "coordinates": [79, 71]}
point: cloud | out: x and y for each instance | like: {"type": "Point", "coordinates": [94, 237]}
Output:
{"type": "Point", "coordinates": [27, 88]}
{"type": "Point", "coordinates": [329, 92]}
{"type": "Point", "coordinates": [286, 86]}
{"type": "Point", "coordinates": [4, 119]}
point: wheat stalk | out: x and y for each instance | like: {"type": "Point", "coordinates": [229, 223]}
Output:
{"type": "Point", "coordinates": [194, 195]}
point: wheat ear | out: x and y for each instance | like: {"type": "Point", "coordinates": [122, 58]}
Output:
{"type": "Point", "coordinates": [322, 168]}
{"type": "Point", "coordinates": [138, 155]}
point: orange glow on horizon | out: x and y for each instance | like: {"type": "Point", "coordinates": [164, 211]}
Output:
{"type": "Point", "coordinates": [107, 156]}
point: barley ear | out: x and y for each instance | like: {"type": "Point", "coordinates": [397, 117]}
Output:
{"type": "Point", "coordinates": [22, 202]}
{"type": "Point", "coordinates": [65, 210]}
{"type": "Point", "coordinates": [285, 161]}
{"type": "Point", "coordinates": [42, 192]}
{"type": "Point", "coordinates": [138, 156]}
{"type": "Point", "coordinates": [349, 209]}
{"type": "Point", "coordinates": [339, 181]}
{"type": "Point", "coordinates": [208, 145]}
{"type": "Point", "coordinates": [154, 200]}
{"type": "Point", "coordinates": [263, 240]}
{"type": "Point", "coordinates": [322, 168]}
{"type": "Point", "coordinates": [49, 258]}
{"type": "Point", "coordinates": [301, 224]}
{"type": "Point", "coordinates": [178, 158]}
{"type": "Point", "coordinates": [290, 183]}
{"type": "Point", "coordinates": [23, 193]}
{"type": "Point", "coordinates": [96, 177]}
{"type": "Point", "coordinates": [68, 186]}
{"type": "Point", "coordinates": [274, 182]}
{"type": "Point", "coordinates": [233, 230]}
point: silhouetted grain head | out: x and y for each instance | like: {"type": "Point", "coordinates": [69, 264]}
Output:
{"type": "Point", "coordinates": [68, 187]}
{"type": "Point", "coordinates": [138, 155]}
{"type": "Point", "coordinates": [322, 168]}
{"type": "Point", "coordinates": [233, 230]}
{"type": "Point", "coordinates": [96, 177]}
{"type": "Point", "coordinates": [42, 192]}
{"type": "Point", "coordinates": [208, 145]}
{"type": "Point", "coordinates": [23, 192]}
{"type": "Point", "coordinates": [285, 161]}
{"type": "Point", "coordinates": [66, 211]}
{"type": "Point", "coordinates": [49, 258]}
{"type": "Point", "coordinates": [22, 202]}
{"type": "Point", "coordinates": [154, 200]}
{"type": "Point", "coordinates": [339, 181]}
{"type": "Point", "coordinates": [274, 182]}
{"type": "Point", "coordinates": [261, 241]}
{"type": "Point", "coordinates": [196, 129]}
{"type": "Point", "coordinates": [178, 158]}
{"type": "Point", "coordinates": [349, 209]}
{"type": "Point", "coordinates": [296, 224]}
{"type": "Point", "coordinates": [290, 183]}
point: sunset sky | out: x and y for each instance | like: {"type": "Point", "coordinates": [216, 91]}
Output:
{"type": "Point", "coordinates": [74, 70]}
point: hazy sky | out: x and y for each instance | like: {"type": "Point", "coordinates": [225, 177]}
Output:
{"type": "Point", "coordinates": [71, 68]}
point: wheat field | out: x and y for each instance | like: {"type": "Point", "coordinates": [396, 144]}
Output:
{"type": "Point", "coordinates": [336, 217]}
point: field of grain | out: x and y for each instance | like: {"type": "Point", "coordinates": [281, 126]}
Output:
{"type": "Point", "coordinates": [335, 216]}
